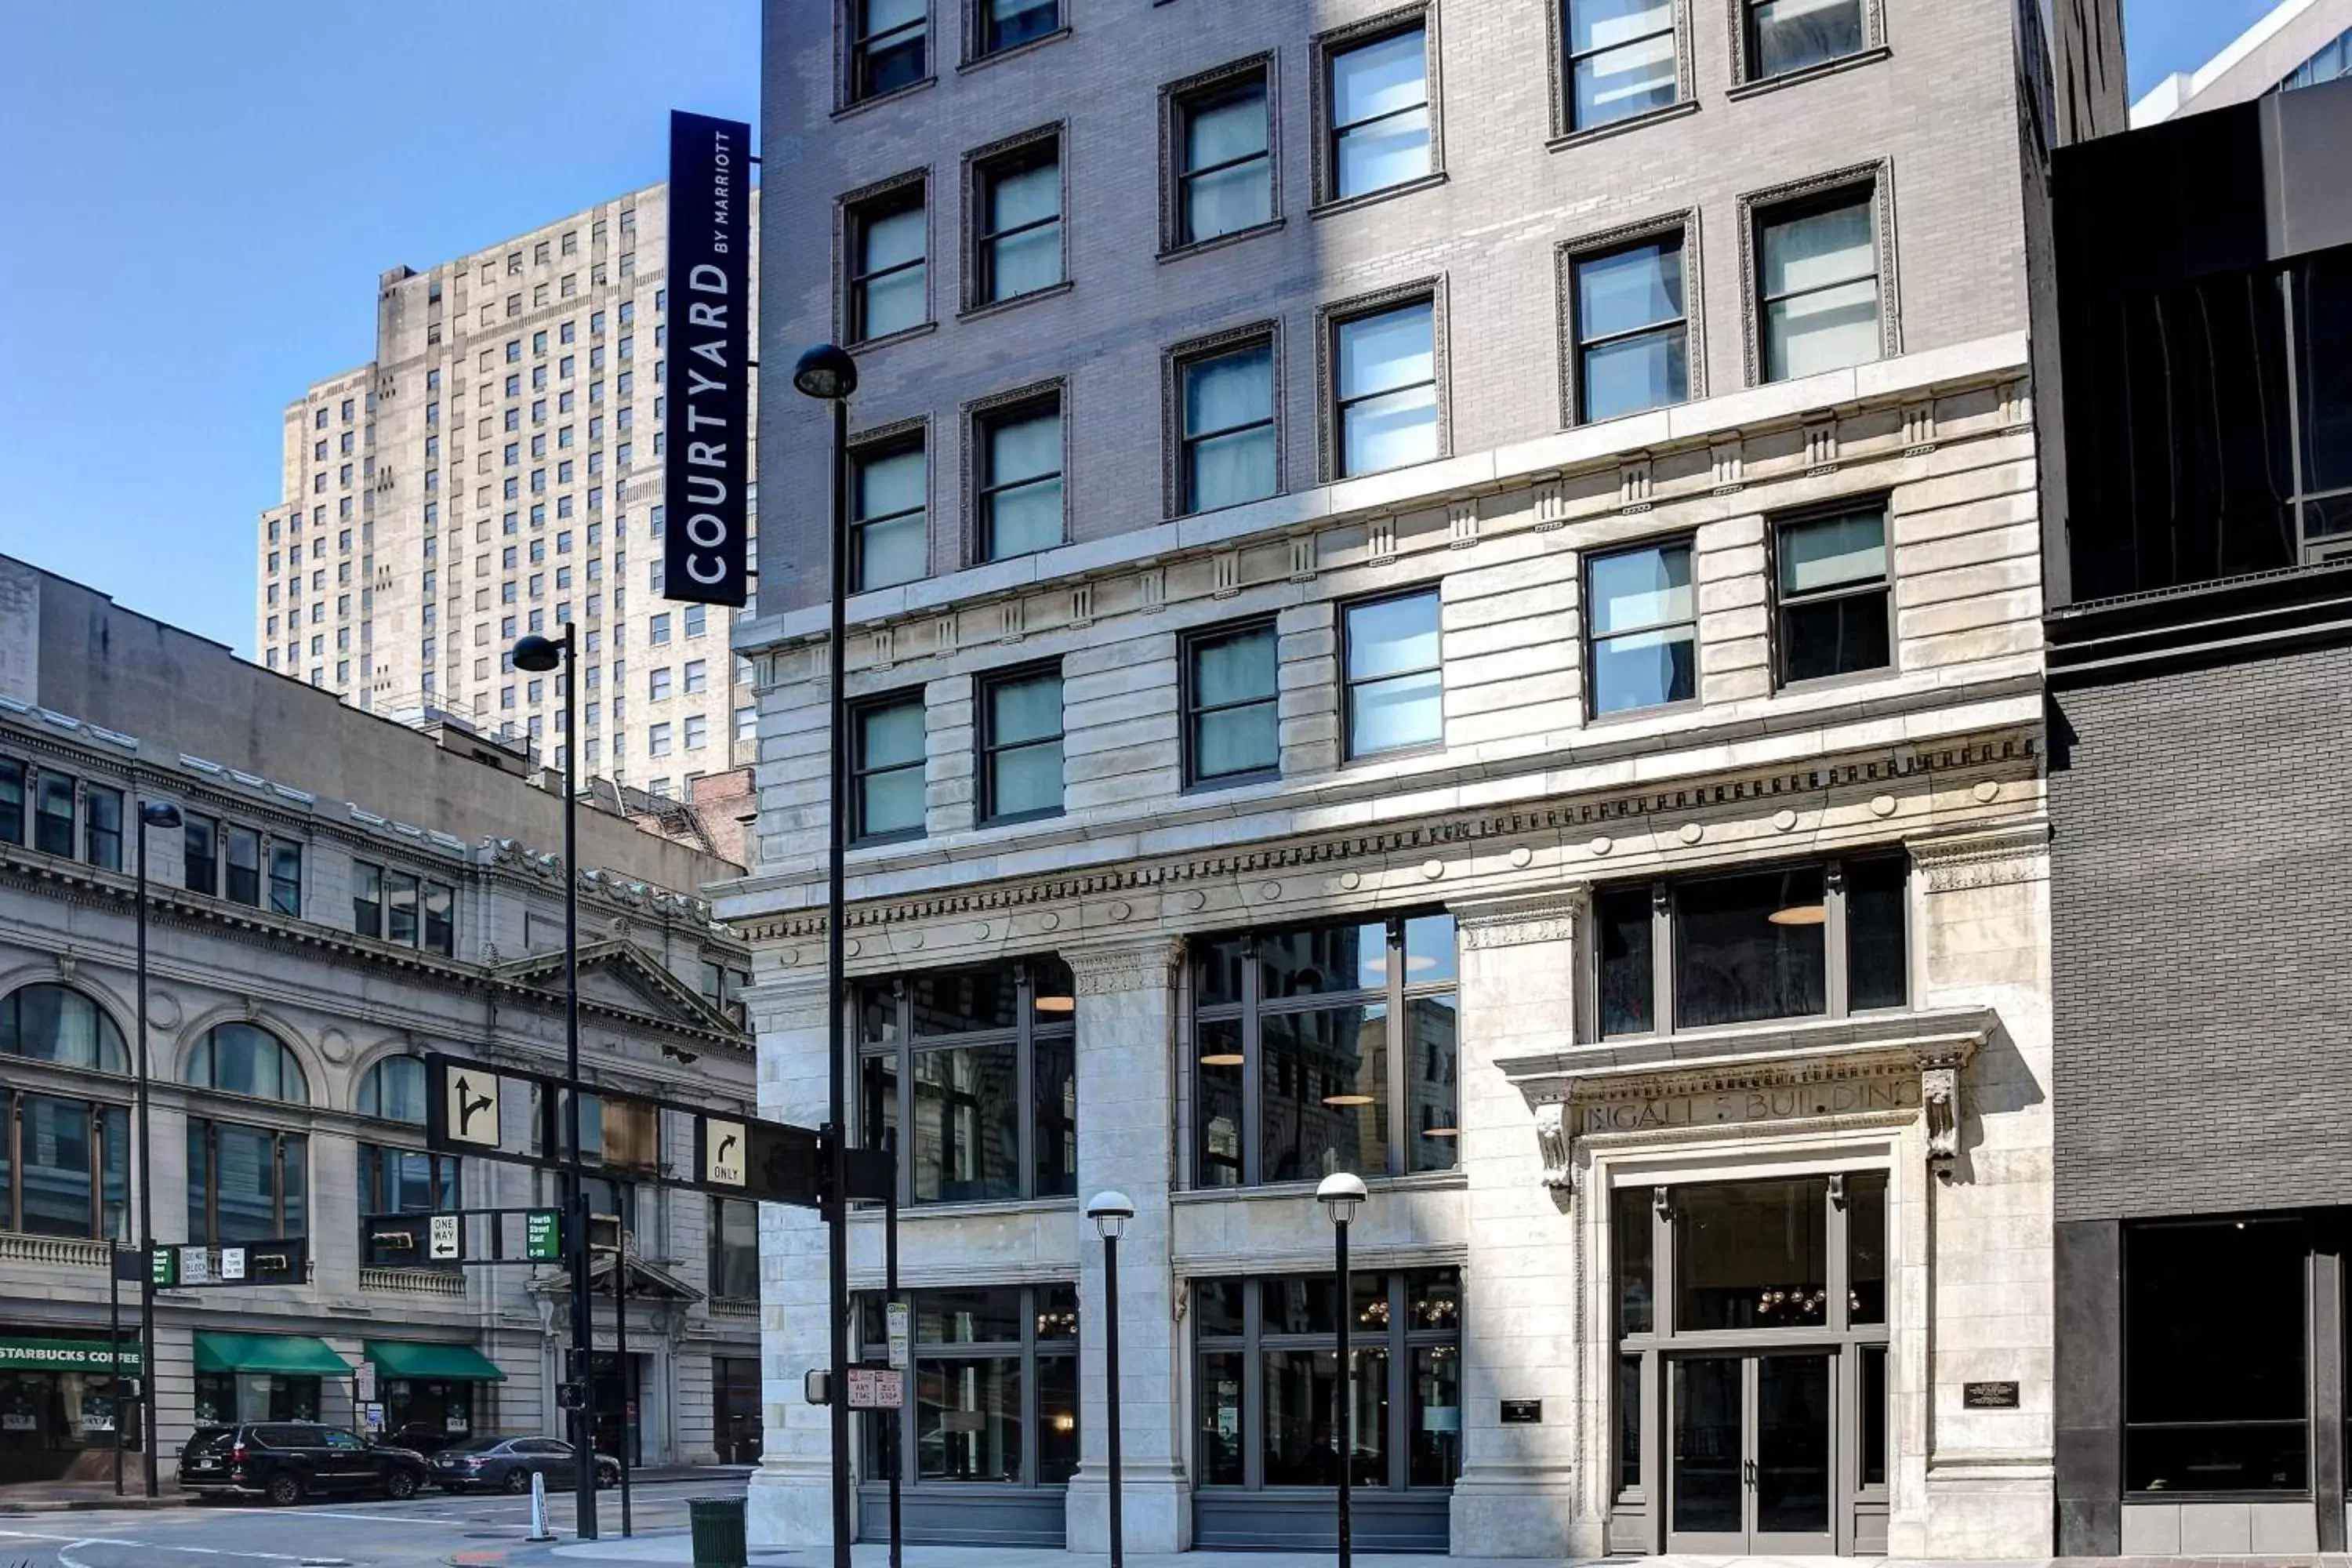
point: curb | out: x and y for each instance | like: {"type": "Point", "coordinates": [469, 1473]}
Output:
{"type": "Point", "coordinates": [90, 1505]}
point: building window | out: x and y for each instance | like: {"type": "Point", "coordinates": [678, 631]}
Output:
{"type": "Point", "coordinates": [697, 732]}
{"type": "Point", "coordinates": [1001, 24]}
{"type": "Point", "coordinates": [1269, 1372]}
{"type": "Point", "coordinates": [1396, 691]}
{"type": "Point", "coordinates": [47, 1023]}
{"type": "Point", "coordinates": [1833, 613]}
{"type": "Point", "coordinates": [405, 1181]}
{"type": "Point", "coordinates": [1633, 330]}
{"type": "Point", "coordinates": [658, 684]}
{"type": "Point", "coordinates": [887, 763]}
{"type": "Point", "coordinates": [69, 1172]}
{"type": "Point", "coordinates": [403, 908]}
{"type": "Point", "coordinates": [1231, 728]}
{"type": "Point", "coordinates": [246, 1183]}
{"type": "Point", "coordinates": [12, 801]}
{"type": "Point", "coordinates": [981, 1064]}
{"type": "Point", "coordinates": [200, 840]}
{"type": "Point", "coordinates": [1018, 226]}
{"type": "Point", "coordinates": [1229, 454]}
{"type": "Point", "coordinates": [734, 1261]}
{"type": "Point", "coordinates": [243, 855]}
{"type": "Point", "coordinates": [1817, 284]}
{"type": "Point", "coordinates": [657, 741]}
{"type": "Point", "coordinates": [103, 827]}
{"type": "Point", "coordinates": [889, 543]}
{"type": "Point", "coordinates": [242, 1058]}
{"type": "Point", "coordinates": [1020, 745]}
{"type": "Point", "coordinates": [1385, 412]}
{"type": "Point", "coordinates": [1021, 478]}
{"type": "Point", "coordinates": [1786, 36]}
{"type": "Point", "coordinates": [1640, 628]}
{"type": "Point", "coordinates": [1379, 126]}
{"type": "Point", "coordinates": [285, 877]}
{"type": "Point", "coordinates": [889, 289]}
{"type": "Point", "coordinates": [995, 1388]}
{"type": "Point", "coordinates": [697, 619]}
{"type": "Point", "coordinates": [1325, 1048]}
{"type": "Point", "coordinates": [1224, 174]}
{"type": "Point", "coordinates": [53, 814]}
{"type": "Point", "coordinates": [1621, 60]}
{"type": "Point", "coordinates": [394, 1091]}
{"type": "Point", "coordinates": [1819, 940]}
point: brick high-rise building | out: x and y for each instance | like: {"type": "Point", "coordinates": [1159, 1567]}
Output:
{"type": "Point", "coordinates": [496, 469]}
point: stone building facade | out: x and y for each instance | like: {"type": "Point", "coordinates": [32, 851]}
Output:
{"type": "Point", "coordinates": [496, 469]}
{"type": "Point", "coordinates": [1475, 796]}
{"type": "Point", "coordinates": [341, 896]}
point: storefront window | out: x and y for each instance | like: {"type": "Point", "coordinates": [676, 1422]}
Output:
{"type": "Point", "coordinates": [223, 1397]}
{"type": "Point", "coordinates": [1325, 1048]}
{"type": "Point", "coordinates": [2215, 1381]}
{"type": "Point", "coordinates": [993, 1389]}
{"type": "Point", "coordinates": [427, 1410]}
{"type": "Point", "coordinates": [47, 1418]}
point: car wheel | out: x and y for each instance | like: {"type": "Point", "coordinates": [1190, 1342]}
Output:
{"type": "Point", "coordinates": [607, 1476]}
{"type": "Point", "coordinates": [399, 1485]}
{"type": "Point", "coordinates": [517, 1481]}
{"type": "Point", "coordinates": [285, 1488]}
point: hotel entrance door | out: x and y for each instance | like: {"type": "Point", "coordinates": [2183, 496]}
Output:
{"type": "Point", "coordinates": [1751, 1451]}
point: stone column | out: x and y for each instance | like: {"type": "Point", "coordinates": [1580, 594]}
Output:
{"type": "Point", "coordinates": [791, 1496]}
{"type": "Point", "coordinates": [1127, 1065]}
{"type": "Point", "coordinates": [1518, 1496]}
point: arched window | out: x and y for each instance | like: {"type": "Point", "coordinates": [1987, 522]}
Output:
{"type": "Point", "coordinates": [51, 1024]}
{"type": "Point", "coordinates": [394, 1091]}
{"type": "Point", "coordinates": [239, 1059]}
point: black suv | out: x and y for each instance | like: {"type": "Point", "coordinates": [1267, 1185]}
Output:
{"type": "Point", "coordinates": [287, 1461]}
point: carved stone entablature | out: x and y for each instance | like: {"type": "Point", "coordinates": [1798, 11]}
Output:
{"type": "Point", "coordinates": [1549, 916]}
{"type": "Point", "coordinates": [1881, 1070]}
{"type": "Point", "coordinates": [1969, 860]}
{"type": "Point", "coordinates": [1131, 966]}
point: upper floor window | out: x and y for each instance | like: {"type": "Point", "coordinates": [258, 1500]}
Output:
{"type": "Point", "coordinates": [1325, 1048]}
{"type": "Point", "coordinates": [1640, 628]}
{"type": "Point", "coordinates": [394, 1091]}
{"type": "Point", "coordinates": [1378, 133]}
{"type": "Point", "coordinates": [406, 1180]}
{"type": "Point", "coordinates": [46, 1023]}
{"type": "Point", "coordinates": [1817, 284]}
{"type": "Point", "coordinates": [1224, 171]}
{"type": "Point", "coordinates": [1018, 226]}
{"type": "Point", "coordinates": [1020, 745]}
{"type": "Point", "coordinates": [1620, 60]}
{"type": "Point", "coordinates": [887, 766]}
{"type": "Point", "coordinates": [246, 1183]}
{"type": "Point", "coordinates": [1792, 942]}
{"type": "Point", "coordinates": [242, 1058]}
{"type": "Point", "coordinates": [734, 1262]}
{"type": "Point", "coordinates": [1631, 329]}
{"type": "Point", "coordinates": [889, 540]}
{"type": "Point", "coordinates": [54, 797]}
{"type": "Point", "coordinates": [1008, 23]}
{"type": "Point", "coordinates": [1231, 727]}
{"type": "Point", "coordinates": [973, 1073]}
{"type": "Point", "coordinates": [1833, 609]}
{"type": "Point", "coordinates": [1386, 409]}
{"type": "Point", "coordinates": [402, 906]}
{"type": "Point", "coordinates": [889, 289]}
{"type": "Point", "coordinates": [1228, 426]}
{"type": "Point", "coordinates": [1396, 689]}
{"type": "Point", "coordinates": [888, 46]}
{"type": "Point", "coordinates": [70, 1171]}
{"type": "Point", "coordinates": [1786, 36]}
{"type": "Point", "coordinates": [1021, 478]}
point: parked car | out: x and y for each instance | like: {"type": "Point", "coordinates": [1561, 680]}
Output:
{"type": "Point", "coordinates": [287, 1461]}
{"type": "Point", "coordinates": [421, 1436]}
{"type": "Point", "coordinates": [507, 1464]}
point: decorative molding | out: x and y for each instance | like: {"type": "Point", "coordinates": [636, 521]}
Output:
{"type": "Point", "coordinates": [1082, 605]}
{"type": "Point", "coordinates": [1633, 484]}
{"type": "Point", "coordinates": [1553, 1145]}
{"type": "Point", "coordinates": [1423, 14]}
{"type": "Point", "coordinates": [885, 643]}
{"type": "Point", "coordinates": [2016, 409]}
{"type": "Point", "coordinates": [1381, 538]}
{"type": "Point", "coordinates": [1151, 589]}
{"type": "Point", "coordinates": [1968, 861]}
{"type": "Point", "coordinates": [1461, 524]}
{"type": "Point", "coordinates": [1820, 444]}
{"type": "Point", "coordinates": [1138, 966]}
{"type": "Point", "coordinates": [1302, 557]}
{"type": "Point", "coordinates": [1226, 564]}
{"type": "Point", "coordinates": [1684, 225]}
{"type": "Point", "coordinates": [1173, 96]}
{"type": "Point", "coordinates": [1552, 509]}
{"type": "Point", "coordinates": [1878, 178]}
{"type": "Point", "coordinates": [1940, 1100]}
{"type": "Point", "coordinates": [1012, 620]}
{"type": "Point", "coordinates": [945, 634]}
{"type": "Point", "coordinates": [1549, 916]}
{"type": "Point", "coordinates": [1727, 461]}
{"type": "Point", "coordinates": [1919, 427]}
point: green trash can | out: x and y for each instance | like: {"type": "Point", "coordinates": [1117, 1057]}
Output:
{"type": "Point", "coordinates": [718, 1524]}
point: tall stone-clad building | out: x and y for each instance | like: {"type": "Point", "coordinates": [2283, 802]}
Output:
{"type": "Point", "coordinates": [1449, 591]}
{"type": "Point", "coordinates": [495, 471]}
{"type": "Point", "coordinates": [342, 895]}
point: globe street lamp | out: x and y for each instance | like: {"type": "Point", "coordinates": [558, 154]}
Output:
{"type": "Point", "coordinates": [827, 374]}
{"type": "Point", "coordinates": [1110, 1212]}
{"type": "Point", "coordinates": [1341, 1194]}
{"type": "Point", "coordinates": [152, 814]}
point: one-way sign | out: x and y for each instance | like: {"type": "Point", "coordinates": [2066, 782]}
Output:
{"type": "Point", "coordinates": [447, 1240]}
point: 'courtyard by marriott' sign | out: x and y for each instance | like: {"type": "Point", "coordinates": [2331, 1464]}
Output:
{"type": "Point", "coordinates": [706, 473]}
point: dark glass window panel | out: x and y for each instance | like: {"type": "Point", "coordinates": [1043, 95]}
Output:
{"type": "Point", "coordinates": [977, 1315]}
{"type": "Point", "coordinates": [200, 846]}
{"type": "Point", "coordinates": [293, 1184]}
{"type": "Point", "coordinates": [1053, 992]}
{"type": "Point", "coordinates": [1218, 1112]}
{"type": "Point", "coordinates": [1429, 950]}
{"type": "Point", "coordinates": [1865, 1246]}
{"type": "Point", "coordinates": [102, 840]}
{"type": "Point", "coordinates": [285, 878]}
{"type": "Point", "coordinates": [440, 918]}
{"type": "Point", "coordinates": [1432, 1301]}
{"type": "Point", "coordinates": [1874, 1416]}
{"type": "Point", "coordinates": [51, 1024]}
{"type": "Point", "coordinates": [877, 1016]}
{"type": "Point", "coordinates": [1323, 1093]}
{"type": "Point", "coordinates": [1226, 180]}
{"type": "Point", "coordinates": [890, 46]}
{"type": "Point", "coordinates": [1058, 1419]}
{"type": "Point", "coordinates": [1220, 1435]}
{"type": "Point", "coordinates": [1301, 1398]}
{"type": "Point", "coordinates": [1876, 948]}
{"type": "Point", "coordinates": [1628, 962]}
{"type": "Point", "coordinates": [367, 898]}
{"type": "Point", "coordinates": [12, 801]}
{"type": "Point", "coordinates": [245, 1185]}
{"type": "Point", "coordinates": [1316, 960]}
{"type": "Point", "coordinates": [966, 1140]}
{"type": "Point", "coordinates": [2214, 1357]}
{"type": "Point", "coordinates": [400, 890]}
{"type": "Point", "coordinates": [244, 857]}
{"type": "Point", "coordinates": [1629, 1422]}
{"type": "Point", "coordinates": [1368, 1415]}
{"type": "Point", "coordinates": [963, 1000]}
{"type": "Point", "coordinates": [1217, 1306]}
{"type": "Point", "coordinates": [1054, 1075]}
{"type": "Point", "coordinates": [1752, 1255]}
{"type": "Point", "coordinates": [1793, 1444]}
{"type": "Point", "coordinates": [735, 1249]}
{"type": "Point", "coordinates": [1058, 1312]}
{"type": "Point", "coordinates": [1835, 637]}
{"type": "Point", "coordinates": [53, 814]}
{"type": "Point", "coordinates": [1007, 23]}
{"type": "Point", "coordinates": [1432, 1114]}
{"type": "Point", "coordinates": [1736, 963]}
{"type": "Point", "coordinates": [114, 1173]}
{"type": "Point", "coordinates": [1634, 1241]}
{"type": "Point", "coordinates": [200, 1229]}
{"type": "Point", "coordinates": [968, 1419]}
{"type": "Point", "coordinates": [1789, 35]}
{"type": "Point", "coordinates": [54, 1175]}
{"type": "Point", "coordinates": [1706, 1484]}
{"type": "Point", "coordinates": [1304, 1303]}
{"type": "Point", "coordinates": [1232, 696]}
{"type": "Point", "coordinates": [2323, 297]}
{"type": "Point", "coordinates": [1217, 971]}
{"type": "Point", "coordinates": [2233, 1457]}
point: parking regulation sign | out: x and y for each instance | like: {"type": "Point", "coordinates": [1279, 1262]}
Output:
{"type": "Point", "coordinates": [876, 1388]}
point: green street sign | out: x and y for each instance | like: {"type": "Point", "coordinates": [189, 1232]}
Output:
{"type": "Point", "coordinates": [542, 1234]}
{"type": "Point", "coordinates": [165, 1264]}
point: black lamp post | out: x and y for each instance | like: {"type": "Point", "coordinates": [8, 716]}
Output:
{"type": "Point", "coordinates": [539, 655]}
{"type": "Point", "coordinates": [827, 374]}
{"type": "Point", "coordinates": [152, 814]}
{"type": "Point", "coordinates": [1110, 1212]}
{"type": "Point", "coordinates": [1341, 1194]}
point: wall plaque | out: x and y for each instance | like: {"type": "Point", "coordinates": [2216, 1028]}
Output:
{"type": "Point", "coordinates": [1522, 1412]}
{"type": "Point", "coordinates": [1988, 1395]}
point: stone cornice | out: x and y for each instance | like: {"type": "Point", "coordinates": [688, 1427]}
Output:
{"type": "Point", "coordinates": [1519, 919]}
{"type": "Point", "coordinates": [1965, 860]}
{"type": "Point", "coordinates": [1148, 965]}
{"type": "Point", "coordinates": [1801, 1053]}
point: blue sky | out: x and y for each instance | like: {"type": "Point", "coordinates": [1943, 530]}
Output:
{"type": "Point", "coordinates": [213, 187]}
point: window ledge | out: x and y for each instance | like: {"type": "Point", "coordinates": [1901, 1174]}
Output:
{"type": "Point", "coordinates": [893, 96]}
{"type": "Point", "coordinates": [1809, 73]}
{"type": "Point", "coordinates": [1902, 1038]}
{"type": "Point", "coordinates": [1373, 198]}
{"type": "Point", "coordinates": [1845, 677]}
{"type": "Point", "coordinates": [981, 62]}
{"type": "Point", "coordinates": [999, 1208]}
{"type": "Point", "coordinates": [1194, 247]}
{"type": "Point", "coordinates": [1632, 122]}
{"type": "Point", "coordinates": [1274, 1192]}
{"type": "Point", "coordinates": [863, 345]}
{"type": "Point", "coordinates": [998, 306]}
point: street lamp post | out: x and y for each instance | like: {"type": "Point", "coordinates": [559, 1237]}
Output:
{"type": "Point", "coordinates": [1341, 1194]}
{"type": "Point", "coordinates": [827, 374]}
{"type": "Point", "coordinates": [152, 814]}
{"type": "Point", "coordinates": [539, 655]}
{"type": "Point", "coordinates": [1110, 1212]}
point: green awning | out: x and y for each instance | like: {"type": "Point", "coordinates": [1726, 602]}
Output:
{"type": "Point", "coordinates": [426, 1363]}
{"type": "Point", "coordinates": [285, 1355]}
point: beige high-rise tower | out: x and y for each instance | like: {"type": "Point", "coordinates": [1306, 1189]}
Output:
{"type": "Point", "coordinates": [494, 471]}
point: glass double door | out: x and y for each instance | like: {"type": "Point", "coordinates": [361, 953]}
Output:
{"type": "Point", "coordinates": [1751, 1457]}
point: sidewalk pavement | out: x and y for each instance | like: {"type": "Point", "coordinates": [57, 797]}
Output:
{"type": "Point", "coordinates": [675, 1549]}
{"type": "Point", "coordinates": [92, 1497]}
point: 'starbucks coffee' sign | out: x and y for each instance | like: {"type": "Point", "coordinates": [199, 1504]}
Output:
{"type": "Point", "coordinates": [64, 1355]}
